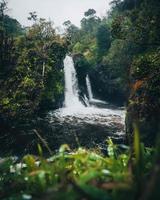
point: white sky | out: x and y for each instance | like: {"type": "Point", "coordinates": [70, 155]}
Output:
{"type": "Point", "coordinates": [56, 10]}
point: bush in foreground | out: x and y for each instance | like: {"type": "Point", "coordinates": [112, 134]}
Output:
{"type": "Point", "coordinates": [82, 174]}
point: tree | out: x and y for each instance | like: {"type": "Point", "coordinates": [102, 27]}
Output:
{"type": "Point", "coordinates": [103, 38]}
{"type": "Point", "coordinates": [33, 16]}
{"type": "Point", "coordinates": [67, 23]}
{"type": "Point", "coordinates": [8, 29]}
{"type": "Point", "coordinates": [90, 13]}
{"type": "Point", "coordinates": [72, 32]}
{"type": "Point", "coordinates": [90, 22]}
{"type": "Point", "coordinates": [3, 7]}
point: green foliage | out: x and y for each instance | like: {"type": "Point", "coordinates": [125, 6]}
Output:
{"type": "Point", "coordinates": [36, 75]}
{"type": "Point", "coordinates": [119, 52]}
{"type": "Point", "coordinates": [90, 13]}
{"type": "Point", "coordinates": [145, 65]}
{"type": "Point", "coordinates": [9, 28]}
{"type": "Point", "coordinates": [72, 174]}
{"type": "Point", "coordinates": [109, 56]}
{"type": "Point", "coordinates": [146, 93]}
{"type": "Point", "coordinates": [103, 40]}
{"type": "Point", "coordinates": [136, 25]}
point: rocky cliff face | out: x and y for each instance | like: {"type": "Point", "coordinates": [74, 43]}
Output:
{"type": "Point", "coordinates": [103, 86]}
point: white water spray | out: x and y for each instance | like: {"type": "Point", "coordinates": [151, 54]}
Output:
{"type": "Point", "coordinates": [82, 120]}
{"type": "Point", "coordinates": [71, 85]}
{"type": "Point", "coordinates": [89, 88]}
{"type": "Point", "coordinates": [74, 108]}
{"type": "Point", "coordinates": [90, 93]}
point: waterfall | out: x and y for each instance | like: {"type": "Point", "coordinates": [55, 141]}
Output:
{"type": "Point", "coordinates": [89, 88]}
{"type": "Point", "coordinates": [73, 109]}
{"type": "Point", "coordinates": [92, 100]}
{"type": "Point", "coordinates": [71, 85]}
{"type": "Point", "coordinates": [76, 120]}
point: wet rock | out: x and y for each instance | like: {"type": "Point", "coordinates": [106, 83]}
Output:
{"type": "Point", "coordinates": [86, 128]}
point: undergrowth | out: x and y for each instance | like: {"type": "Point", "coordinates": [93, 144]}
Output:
{"type": "Point", "coordinates": [80, 174]}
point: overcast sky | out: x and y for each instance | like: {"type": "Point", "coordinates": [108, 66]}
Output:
{"type": "Point", "coordinates": [56, 10]}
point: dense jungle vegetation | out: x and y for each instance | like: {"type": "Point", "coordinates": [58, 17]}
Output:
{"type": "Point", "coordinates": [122, 49]}
{"type": "Point", "coordinates": [121, 54]}
{"type": "Point", "coordinates": [31, 75]}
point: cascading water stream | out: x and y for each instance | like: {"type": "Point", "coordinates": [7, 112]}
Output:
{"type": "Point", "coordinates": [89, 88]}
{"type": "Point", "coordinates": [71, 85]}
{"type": "Point", "coordinates": [90, 124]}
{"type": "Point", "coordinates": [72, 101]}
{"type": "Point", "coordinates": [92, 100]}
{"type": "Point", "coordinates": [73, 107]}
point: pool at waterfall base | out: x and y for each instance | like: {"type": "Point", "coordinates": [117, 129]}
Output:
{"type": "Point", "coordinates": [80, 125]}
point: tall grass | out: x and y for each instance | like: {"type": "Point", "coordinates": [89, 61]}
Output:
{"type": "Point", "coordinates": [81, 174]}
